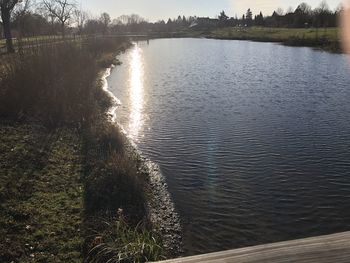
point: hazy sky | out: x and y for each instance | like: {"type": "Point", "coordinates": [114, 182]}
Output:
{"type": "Point", "coordinates": [162, 9]}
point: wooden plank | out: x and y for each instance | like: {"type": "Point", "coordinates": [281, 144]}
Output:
{"type": "Point", "coordinates": [323, 249]}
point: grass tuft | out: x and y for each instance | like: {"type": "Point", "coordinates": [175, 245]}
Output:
{"type": "Point", "coordinates": [121, 243]}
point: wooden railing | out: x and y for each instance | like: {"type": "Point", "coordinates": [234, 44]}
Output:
{"type": "Point", "coordinates": [323, 249]}
{"type": "Point", "coordinates": [38, 41]}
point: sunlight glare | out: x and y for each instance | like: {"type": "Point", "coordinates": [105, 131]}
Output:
{"type": "Point", "coordinates": [136, 92]}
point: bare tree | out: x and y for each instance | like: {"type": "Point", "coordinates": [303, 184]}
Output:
{"type": "Point", "coordinates": [304, 8]}
{"type": "Point", "coordinates": [62, 10]}
{"type": "Point", "coordinates": [132, 19]}
{"type": "Point", "coordinates": [323, 7]}
{"type": "Point", "coordinates": [6, 7]}
{"type": "Point", "coordinates": [80, 17]}
{"type": "Point", "coordinates": [339, 8]}
{"type": "Point", "coordinates": [321, 13]}
{"type": "Point", "coordinates": [280, 11]}
{"type": "Point", "coordinates": [20, 11]}
{"type": "Point", "coordinates": [290, 10]}
{"type": "Point", "coordinates": [123, 19]}
{"type": "Point", "coordinates": [105, 20]}
{"type": "Point", "coordinates": [135, 19]}
{"type": "Point", "coordinates": [23, 6]}
{"type": "Point", "coordinates": [117, 22]}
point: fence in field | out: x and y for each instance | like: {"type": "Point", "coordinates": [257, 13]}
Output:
{"type": "Point", "coordinates": [23, 44]}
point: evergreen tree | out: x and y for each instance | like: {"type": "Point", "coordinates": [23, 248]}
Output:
{"type": "Point", "coordinates": [223, 17]}
{"type": "Point", "coordinates": [249, 17]}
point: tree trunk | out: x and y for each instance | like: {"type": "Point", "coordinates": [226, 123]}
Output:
{"type": "Point", "coordinates": [63, 29]}
{"type": "Point", "coordinates": [5, 15]}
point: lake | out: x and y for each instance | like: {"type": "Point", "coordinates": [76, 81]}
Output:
{"type": "Point", "coordinates": [253, 138]}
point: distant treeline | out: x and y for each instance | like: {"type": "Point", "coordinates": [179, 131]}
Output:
{"type": "Point", "coordinates": [52, 17]}
{"type": "Point", "coordinates": [302, 17]}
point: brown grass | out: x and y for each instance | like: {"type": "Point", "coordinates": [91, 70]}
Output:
{"type": "Point", "coordinates": [58, 86]}
{"type": "Point", "coordinates": [55, 83]}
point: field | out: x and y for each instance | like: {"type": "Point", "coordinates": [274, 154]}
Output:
{"type": "Point", "coordinates": [323, 38]}
{"type": "Point", "coordinates": [278, 34]}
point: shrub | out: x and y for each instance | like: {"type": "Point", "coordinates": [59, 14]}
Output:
{"type": "Point", "coordinates": [56, 83]}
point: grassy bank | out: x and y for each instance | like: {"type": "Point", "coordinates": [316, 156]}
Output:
{"type": "Point", "coordinates": [40, 194]}
{"type": "Point", "coordinates": [69, 192]}
{"type": "Point", "coordinates": [323, 38]}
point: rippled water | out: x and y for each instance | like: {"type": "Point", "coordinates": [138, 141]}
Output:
{"type": "Point", "coordinates": [253, 138]}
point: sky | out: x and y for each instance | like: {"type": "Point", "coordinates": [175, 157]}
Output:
{"type": "Point", "coordinates": [154, 10]}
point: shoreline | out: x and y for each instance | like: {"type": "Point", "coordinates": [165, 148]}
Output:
{"type": "Point", "coordinates": [325, 39]}
{"type": "Point", "coordinates": [159, 204]}
{"type": "Point", "coordinates": [290, 43]}
{"type": "Point", "coordinates": [101, 199]}
{"type": "Point", "coordinates": [160, 207]}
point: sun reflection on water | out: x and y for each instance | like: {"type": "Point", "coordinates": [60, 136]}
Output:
{"type": "Point", "coordinates": [136, 92]}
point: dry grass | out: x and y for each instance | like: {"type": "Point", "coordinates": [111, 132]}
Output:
{"type": "Point", "coordinates": [324, 38]}
{"type": "Point", "coordinates": [280, 34]}
{"type": "Point", "coordinates": [57, 85]}
{"type": "Point", "coordinates": [113, 182]}
{"type": "Point", "coordinates": [120, 243]}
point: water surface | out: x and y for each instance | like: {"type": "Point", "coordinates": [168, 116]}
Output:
{"type": "Point", "coordinates": [253, 138]}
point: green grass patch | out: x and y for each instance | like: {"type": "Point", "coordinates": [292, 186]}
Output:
{"type": "Point", "coordinates": [41, 195]}
{"type": "Point", "coordinates": [324, 38]}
